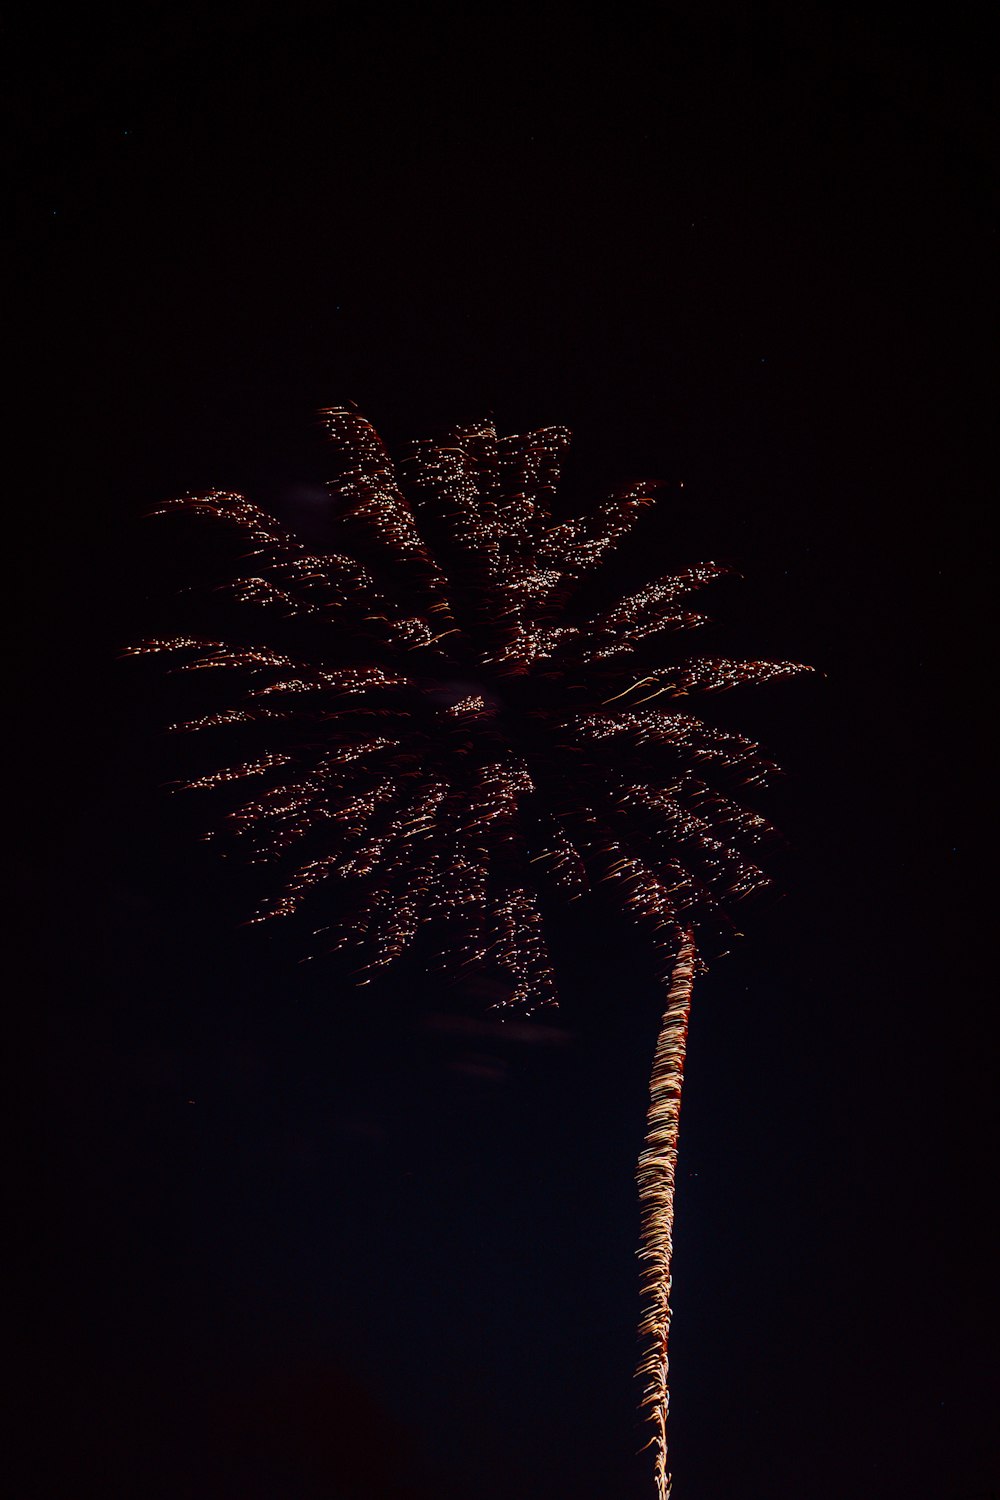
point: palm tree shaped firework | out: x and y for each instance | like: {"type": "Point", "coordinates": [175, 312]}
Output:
{"type": "Point", "coordinates": [457, 735]}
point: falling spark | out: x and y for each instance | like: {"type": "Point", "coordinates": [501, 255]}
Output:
{"type": "Point", "coordinates": [487, 741]}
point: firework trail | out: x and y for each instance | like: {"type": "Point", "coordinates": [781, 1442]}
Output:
{"type": "Point", "coordinates": [656, 1176]}
{"type": "Point", "coordinates": [453, 734]}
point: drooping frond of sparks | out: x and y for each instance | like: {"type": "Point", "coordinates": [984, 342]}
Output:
{"type": "Point", "coordinates": [434, 732]}
{"type": "Point", "coordinates": [456, 589]}
{"type": "Point", "coordinates": [656, 1176]}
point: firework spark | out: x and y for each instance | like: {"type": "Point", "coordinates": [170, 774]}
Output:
{"type": "Point", "coordinates": [457, 734]}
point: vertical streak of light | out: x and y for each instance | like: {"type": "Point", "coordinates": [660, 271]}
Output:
{"type": "Point", "coordinates": [656, 1176]}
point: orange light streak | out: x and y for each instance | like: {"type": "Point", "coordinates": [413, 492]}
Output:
{"type": "Point", "coordinates": [656, 1176]}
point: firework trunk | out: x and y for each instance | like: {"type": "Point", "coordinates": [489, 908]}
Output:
{"type": "Point", "coordinates": [656, 1175]}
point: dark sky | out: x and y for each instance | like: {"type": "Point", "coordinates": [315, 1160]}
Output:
{"type": "Point", "coordinates": [305, 1242]}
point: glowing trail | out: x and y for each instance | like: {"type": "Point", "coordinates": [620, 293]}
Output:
{"type": "Point", "coordinates": [656, 1175]}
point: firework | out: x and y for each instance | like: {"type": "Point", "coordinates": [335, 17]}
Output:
{"type": "Point", "coordinates": [456, 733]}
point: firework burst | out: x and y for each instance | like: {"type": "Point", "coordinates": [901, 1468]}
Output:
{"type": "Point", "coordinates": [460, 733]}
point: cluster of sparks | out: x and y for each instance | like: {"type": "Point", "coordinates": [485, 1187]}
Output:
{"type": "Point", "coordinates": [458, 735]}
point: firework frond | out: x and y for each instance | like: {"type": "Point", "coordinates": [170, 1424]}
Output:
{"type": "Point", "coordinates": [446, 694]}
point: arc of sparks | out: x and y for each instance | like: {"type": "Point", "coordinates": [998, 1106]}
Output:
{"type": "Point", "coordinates": [656, 1177]}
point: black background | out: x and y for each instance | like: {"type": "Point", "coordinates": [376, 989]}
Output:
{"type": "Point", "coordinates": [308, 1241]}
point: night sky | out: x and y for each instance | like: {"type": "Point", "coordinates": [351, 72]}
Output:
{"type": "Point", "coordinates": [308, 1241]}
